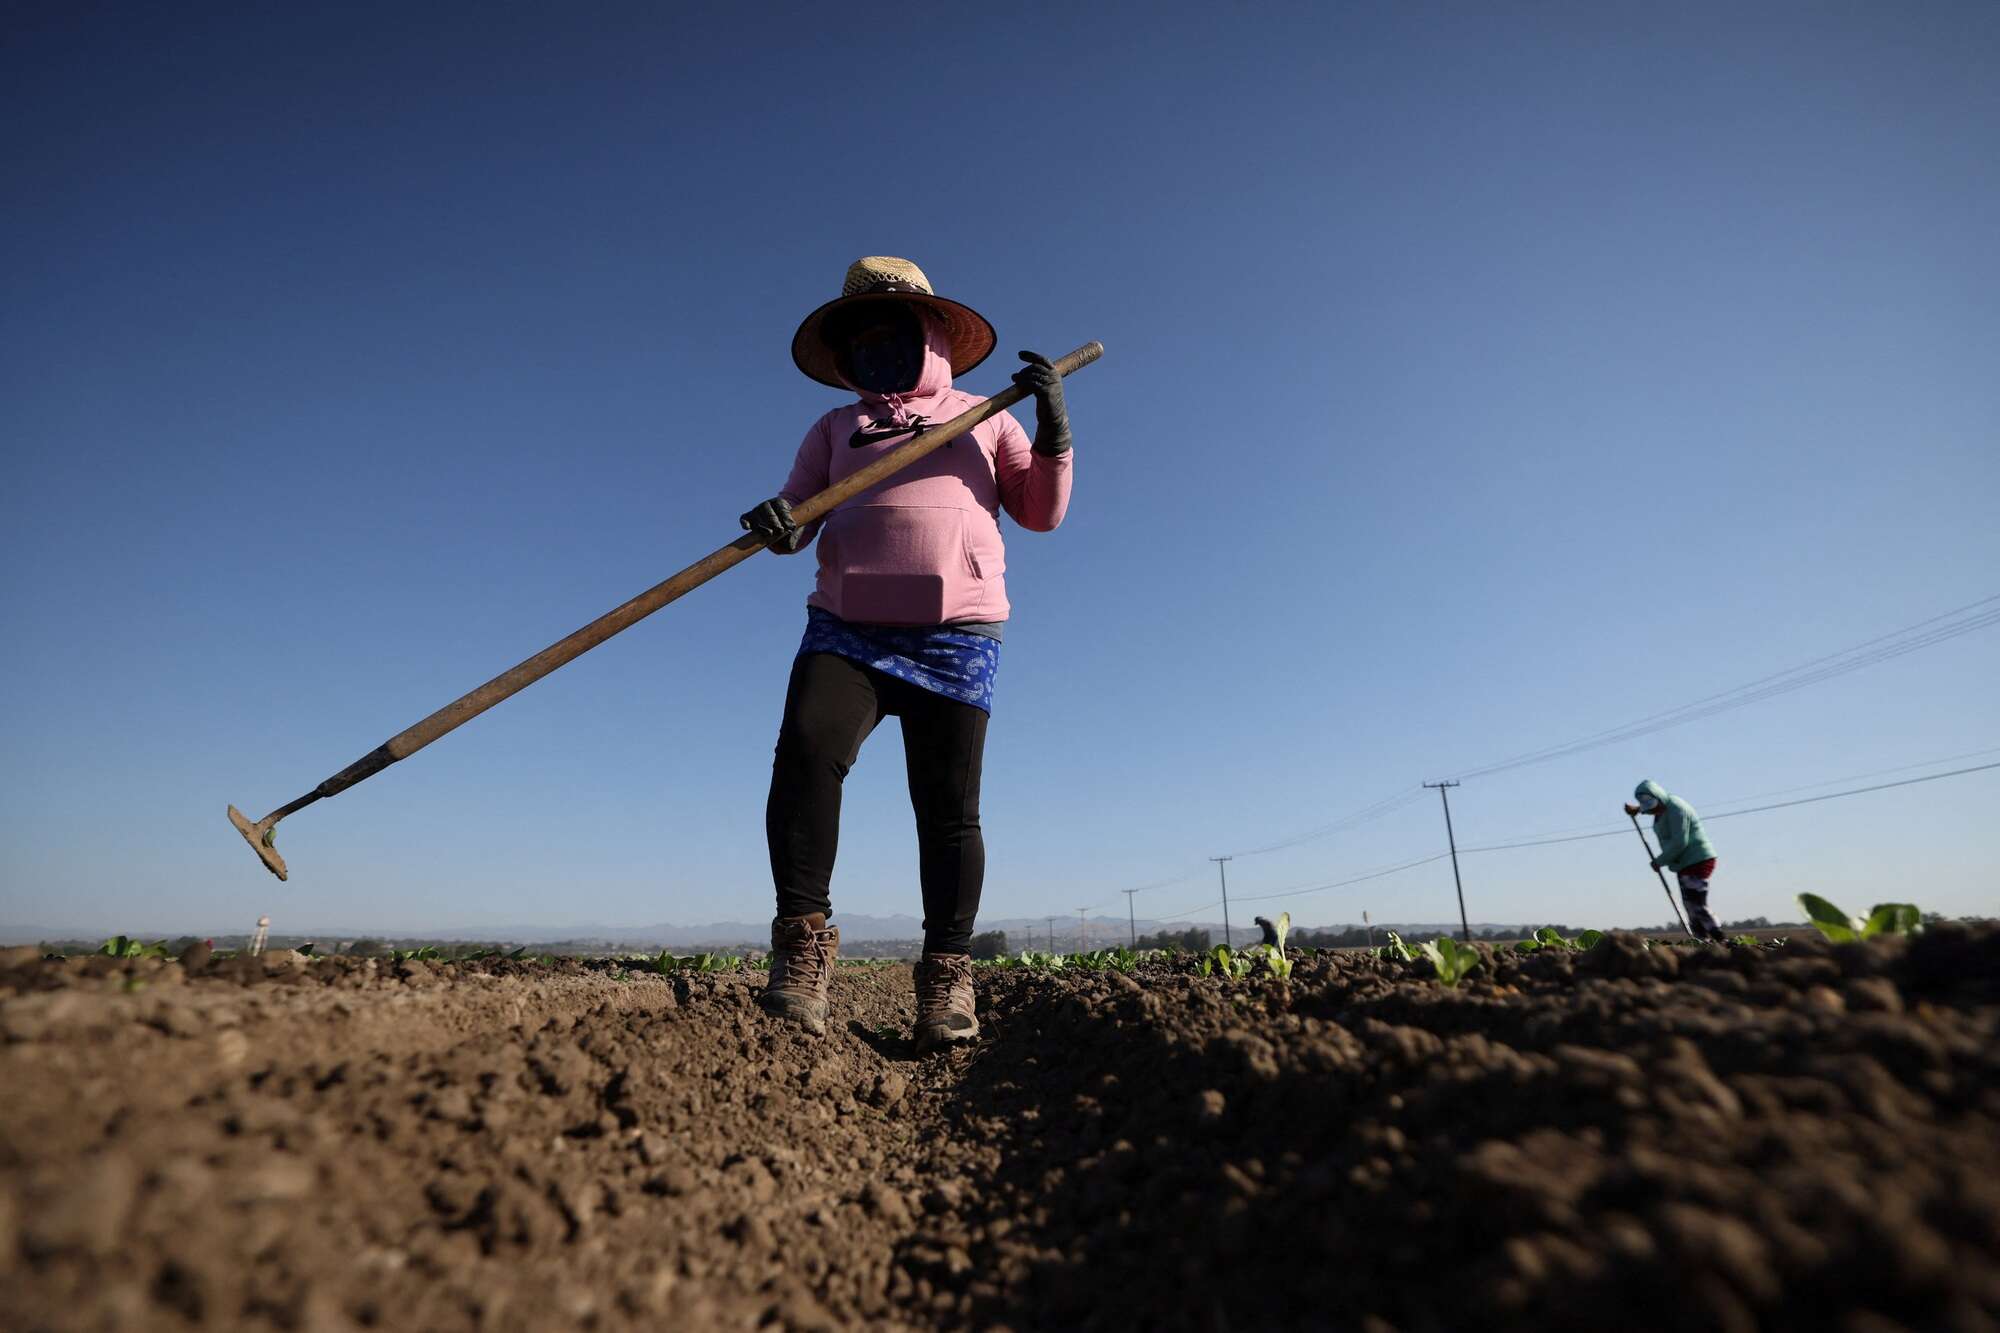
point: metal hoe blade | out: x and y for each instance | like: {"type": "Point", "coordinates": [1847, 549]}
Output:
{"type": "Point", "coordinates": [259, 835]}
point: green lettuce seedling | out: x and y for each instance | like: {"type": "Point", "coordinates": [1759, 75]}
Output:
{"type": "Point", "coordinates": [1274, 956]}
{"type": "Point", "coordinates": [1548, 937]}
{"type": "Point", "coordinates": [1883, 919]}
{"type": "Point", "coordinates": [1227, 962]}
{"type": "Point", "coordinates": [1398, 947]}
{"type": "Point", "coordinates": [1032, 958]}
{"type": "Point", "coordinates": [1451, 959]}
{"type": "Point", "coordinates": [126, 946]}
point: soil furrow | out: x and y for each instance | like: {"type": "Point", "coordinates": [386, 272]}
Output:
{"type": "Point", "coordinates": [1649, 1137]}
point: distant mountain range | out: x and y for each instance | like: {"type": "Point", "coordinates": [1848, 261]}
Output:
{"type": "Point", "coordinates": [1022, 932]}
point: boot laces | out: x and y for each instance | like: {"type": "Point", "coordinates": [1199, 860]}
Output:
{"type": "Point", "coordinates": [806, 959]}
{"type": "Point", "coordinates": [936, 980]}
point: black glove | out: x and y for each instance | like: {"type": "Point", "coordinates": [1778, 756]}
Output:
{"type": "Point", "coordinates": [771, 522]}
{"type": "Point", "coordinates": [1051, 421]}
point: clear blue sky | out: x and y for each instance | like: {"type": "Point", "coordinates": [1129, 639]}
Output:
{"type": "Point", "coordinates": [1477, 377]}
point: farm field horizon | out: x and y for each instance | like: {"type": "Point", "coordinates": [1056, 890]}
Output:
{"type": "Point", "coordinates": [1744, 1137]}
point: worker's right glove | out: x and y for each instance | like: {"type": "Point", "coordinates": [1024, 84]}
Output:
{"type": "Point", "coordinates": [771, 523]}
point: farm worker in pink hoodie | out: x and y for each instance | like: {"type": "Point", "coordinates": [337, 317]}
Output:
{"type": "Point", "coordinates": [904, 620]}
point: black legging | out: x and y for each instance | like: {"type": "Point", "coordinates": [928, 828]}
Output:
{"type": "Point", "coordinates": [830, 707]}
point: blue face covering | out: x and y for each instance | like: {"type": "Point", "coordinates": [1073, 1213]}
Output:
{"type": "Point", "coordinates": [883, 350]}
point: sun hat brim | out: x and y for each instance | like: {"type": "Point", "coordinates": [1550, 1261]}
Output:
{"type": "Point", "coordinates": [970, 334]}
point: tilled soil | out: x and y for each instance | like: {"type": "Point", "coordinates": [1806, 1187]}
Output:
{"type": "Point", "coordinates": [1806, 1137]}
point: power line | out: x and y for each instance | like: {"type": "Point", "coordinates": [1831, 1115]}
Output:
{"type": "Point", "coordinates": [1162, 883]}
{"type": "Point", "coordinates": [1541, 842]}
{"type": "Point", "coordinates": [1880, 786]}
{"type": "Point", "coordinates": [1185, 912]}
{"type": "Point", "coordinates": [1386, 806]}
{"type": "Point", "coordinates": [1881, 648]}
{"type": "Point", "coordinates": [1692, 713]}
{"type": "Point", "coordinates": [1753, 810]}
{"type": "Point", "coordinates": [1856, 777]}
{"type": "Point", "coordinates": [1884, 647]}
{"type": "Point", "coordinates": [1586, 832]}
{"type": "Point", "coordinates": [1411, 865]}
{"type": "Point", "coordinates": [1343, 883]}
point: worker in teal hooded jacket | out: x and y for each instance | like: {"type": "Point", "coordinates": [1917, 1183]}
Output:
{"type": "Point", "coordinates": [1684, 849]}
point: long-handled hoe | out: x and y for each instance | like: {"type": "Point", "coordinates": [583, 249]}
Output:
{"type": "Point", "coordinates": [406, 743]}
{"type": "Point", "coordinates": [1662, 874]}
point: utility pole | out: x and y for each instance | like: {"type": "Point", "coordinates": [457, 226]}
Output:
{"type": "Point", "coordinates": [1368, 926]}
{"type": "Point", "coordinates": [1223, 870]}
{"type": "Point", "coordinates": [1131, 918]}
{"type": "Point", "coordinates": [1464, 929]}
{"type": "Point", "coordinates": [1052, 934]}
{"type": "Point", "coordinates": [1082, 929]}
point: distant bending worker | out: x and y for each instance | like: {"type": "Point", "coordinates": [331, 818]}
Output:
{"type": "Point", "coordinates": [1684, 849]}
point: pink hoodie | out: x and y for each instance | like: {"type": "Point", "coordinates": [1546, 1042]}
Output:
{"type": "Point", "coordinates": [923, 547]}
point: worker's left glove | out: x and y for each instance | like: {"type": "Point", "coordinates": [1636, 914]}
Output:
{"type": "Point", "coordinates": [1659, 861]}
{"type": "Point", "coordinates": [1041, 378]}
{"type": "Point", "coordinates": [772, 523]}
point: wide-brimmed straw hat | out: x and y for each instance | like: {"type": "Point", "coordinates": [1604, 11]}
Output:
{"type": "Point", "coordinates": [886, 278]}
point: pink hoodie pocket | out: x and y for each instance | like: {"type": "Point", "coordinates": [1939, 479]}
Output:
{"type": "Point", "coordinates": [985, 558]}
{"type": "Point", "coordinates": [893, 564]}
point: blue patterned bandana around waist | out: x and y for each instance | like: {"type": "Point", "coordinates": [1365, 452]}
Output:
{"type": "Point", "coordinates": [944, 661]}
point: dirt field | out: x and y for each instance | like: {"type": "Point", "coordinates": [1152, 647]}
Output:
{"type": "Point", "coordinates": [1629, 1138]}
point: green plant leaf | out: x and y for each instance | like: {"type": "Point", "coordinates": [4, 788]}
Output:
{"type": "Point", "coordinates": [1401, 948]}
{"type": "Point", "coordinates": [1451, 959]}
{"type": "Point", "coordinates": [1589, 939]}
{"type": "Point", "coordinates": [1892, 919]}
{"type": "Point", "coordinates": [1833, 922]}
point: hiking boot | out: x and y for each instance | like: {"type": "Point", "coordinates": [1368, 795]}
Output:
{"type": "Point", "coordinates": [802, 952]}
{"type": "Point", "coordinates": [944, 1001]}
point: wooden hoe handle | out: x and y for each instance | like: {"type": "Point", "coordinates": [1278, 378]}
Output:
{"type": "Point", "coordinates": [462, 710]}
